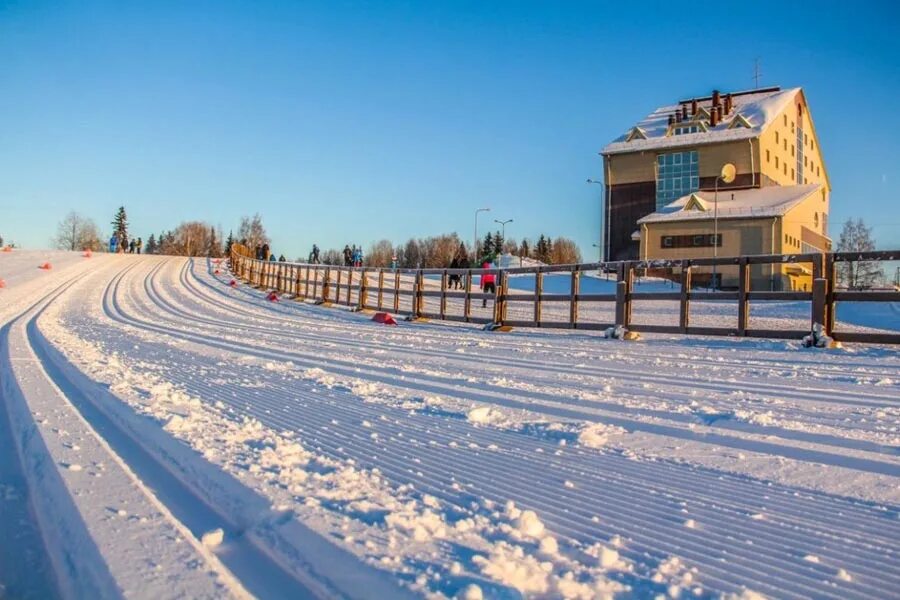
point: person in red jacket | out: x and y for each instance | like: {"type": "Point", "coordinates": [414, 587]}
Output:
{"type": "Point", "coordinates": [488, 285]}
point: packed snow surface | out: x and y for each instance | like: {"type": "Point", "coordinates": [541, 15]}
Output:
{"type": "Point", "coordinates": [169, 435]}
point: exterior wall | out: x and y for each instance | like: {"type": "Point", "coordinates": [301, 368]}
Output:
{"type": "Point", "coordinates": [632, 185]}
{"type": "Point", "coordinates": [778, 157]}
{"type": "Point", "coordinates": [739, 236]}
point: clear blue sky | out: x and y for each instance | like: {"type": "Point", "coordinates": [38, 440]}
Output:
{"type": "Point", "coordinates": [349, 122]}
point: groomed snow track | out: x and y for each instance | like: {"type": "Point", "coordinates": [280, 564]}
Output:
{"type": "Point", "coordinates": [703, 467]}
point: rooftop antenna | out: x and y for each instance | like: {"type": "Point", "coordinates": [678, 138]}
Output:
{"type": "Point", "coordinates": [756, 73]}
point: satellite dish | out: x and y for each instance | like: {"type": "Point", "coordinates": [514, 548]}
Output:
{"type": "Point", "coordinates": [728, 173]}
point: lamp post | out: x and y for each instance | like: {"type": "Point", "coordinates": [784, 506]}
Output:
{"type": "Point", "coordinates": [726, 176]}
{"type": "Point", "coordinates": [503, 227]}
{"type": "Point", "coordinates": [475, 246]}
{"type": "Point", "coordinates": [602, 223]}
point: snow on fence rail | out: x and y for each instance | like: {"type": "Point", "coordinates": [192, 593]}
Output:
{"type": "Point", "coordinates": [427, 293]}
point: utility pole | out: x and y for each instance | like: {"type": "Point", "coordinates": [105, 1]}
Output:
{"type": "Point", "coordinates": [757, 74]}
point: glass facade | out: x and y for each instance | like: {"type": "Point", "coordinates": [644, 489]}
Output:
{"type": "Point", "coordinates": [677, 174]}
{"type": "Point", "coordinates": [799, 155]}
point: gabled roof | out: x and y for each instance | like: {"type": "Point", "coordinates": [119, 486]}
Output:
{"type": "Point", "coordinates": [758, 108]}
{"type": "Point", "coordinates": [753, 203]}
{"type": "Point", "coordinates": [740, 120]}
{"type": "Point", "coordinates": [636, 133]}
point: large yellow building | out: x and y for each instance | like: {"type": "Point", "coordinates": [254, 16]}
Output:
{"type": "Point", "coordinates": [661, 176]}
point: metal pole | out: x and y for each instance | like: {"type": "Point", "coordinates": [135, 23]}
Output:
{"type": "Point", "coordinates": [475, 245]}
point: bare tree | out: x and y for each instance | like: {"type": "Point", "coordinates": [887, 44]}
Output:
{"type": "Point", "coordinates": [863, 274]}
{"type": "Point", "coordinates": [380, 254]}
{"type": "Point", "coordinates": [252, 232]}
{"type": "Point", "coordinates": [76, 232]}
{"type": "Point", "coordinates": [564, 252]}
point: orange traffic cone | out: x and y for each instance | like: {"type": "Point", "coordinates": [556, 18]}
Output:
{"type": "Point", "coordinates": [46, 266]}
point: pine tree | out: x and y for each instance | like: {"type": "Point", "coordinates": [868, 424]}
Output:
{"type": "Point", "coordinates": [498, 243]}
{"type": "Point", "coordinates": [229, 242]}
{"type": "Point", "coordinates": [151, 245]}
{"type": "Point", "coordinates": [540, 249]}
{"type": "Point", "coordinates": [525, 249]}
{"type": "Point", "coordinates": [487, 247]}
{"type": "Point", "coordinates": [214, 250]}
{"type": "Point", "coordinates": [120, 224]}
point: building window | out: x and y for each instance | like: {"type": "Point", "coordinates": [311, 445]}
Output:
{"type": "Point", "coordinates": [785, 120]}
{"type": "Point", "coordinates": [685, 129]}
{"type": "Point", "coordinates": [816, 220]}
{"type": "Point", "coordinates": [677, 175]}
{"type": "Point", "coordinates": [776, 162]}
{"type": "Point", "coordinates": [776, 137]}
{"type": "Point", "coordinates": [805, 140]}
{"type": "Point", "coordinates": [785, 143]}
{"type": "Point", "coordinates": [785, 168]}
{"type": "Point", "coordinates": [696, 240]}
{"type": "Point", "coordinates": [792, 173]}
{"type": "Point", "coordinates": [818, 172]}
{"type": "Point", "coordinates": [824, 224]}
{"type": "Point", "coordinates": [801, 159]}
{"type": "Point", "coordinates": [767, 156]}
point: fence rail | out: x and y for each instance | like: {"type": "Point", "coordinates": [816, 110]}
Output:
{"type": "Point", "coordinates": [428, 293]}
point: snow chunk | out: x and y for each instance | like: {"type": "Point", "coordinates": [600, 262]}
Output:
{"type": "Point", "coordinates": [597, 435]}
{"type": "Point", "coordinates": [484, 415]}
{"type": "Point", "coordinates": [470, 592]}
{"type": "Point", "coordinates": [510, 566]}
{"type": "Point", "coordinates": [529, 524]}
{"type": "Point", "coordinates": [212, 539]}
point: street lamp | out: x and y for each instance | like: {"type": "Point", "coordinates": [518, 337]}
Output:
{"type": "Point", "coordinates": [726, 176]}
{"type": "Point", "coordinates": [603, 221]}
{"type": "Point", "coordinates": [503, 227]}
{"type": "Point", "coordinates": [475, 246]}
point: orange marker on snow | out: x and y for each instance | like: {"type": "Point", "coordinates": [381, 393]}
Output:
{"type": "Point", "coordinates": [216, 272]}
{"type": "Point", "coordinates": [232, 283]}
{"type": "Point", "coordinates": [7, 248]}
{"type": "Point", "coordinates": [2, 283]}
{"type": "Point", "coordinates": [88, 253]}
{"type": "Point", "coordinates": [384, 318]}
{"type": "Point", "coordinates": [272, 297]}
{"type": "Point", "coordinates": [46, 266]}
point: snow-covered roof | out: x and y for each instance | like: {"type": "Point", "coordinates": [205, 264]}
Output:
{"type": "Point", "coordinates": [759, 109]}
{"type": "Point", "coordinates": [769, 201]}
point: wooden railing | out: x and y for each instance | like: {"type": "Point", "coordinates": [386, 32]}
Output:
{"type": "Point", "coordinates": [426, 293]}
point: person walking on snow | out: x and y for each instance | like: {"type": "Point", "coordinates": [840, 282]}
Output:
{"type": "Point", "coordinates": [348, 256]}
{"type": "Point", "coordinates": [454, 282]}
{"type": "Point", "coordinates": [488, 285]}
{"type": "Point", "coordinates": [267, 253]}
{"type": "Point", "coordinates": [131, 245]}
{"type": "Point", "coordinates": [139, 245]}
{"type": "Point", "coordinates": [113, 243]}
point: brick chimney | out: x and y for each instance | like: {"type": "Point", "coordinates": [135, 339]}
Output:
{"type": "Point", "coordinates": [716, 98]}
{"type": "Point", "coordinates": [693, 107]}
{"type": "Point", "coordinates": [713, 116]}
{"type": "Point", "coordinates": [671, 120]}
{"type": "Point", "coordinates": [684, 115]}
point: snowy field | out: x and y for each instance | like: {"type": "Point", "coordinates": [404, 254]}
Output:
{"type": "Point", "coordinates": [165, 435]}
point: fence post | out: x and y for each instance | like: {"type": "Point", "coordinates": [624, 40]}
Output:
{"type": "Point", "coordinates": [819, 302]}
{"type": "Point", "coordinates": [325, 283]}
{"type": "Point", "coordinates": [363, 298]}
{"type": "Point", "coordinates": [830, 276]}
{"type": "Point", "coordinates": [623, 294]}
{"type": "Point", "coordinates": [380, 288]}
{"type": "Point", "coordinates": [502, 300]}
{"type": "Point", "coordinates": [396, 292]}
{"type": "Point", "coordinates": [467, 303]}
{"type": "Point", "coordinates": [538, 290]}
{"type": "Point", "coordinates": [684, 317]}
{"type": "Point", "coordinates": [443, 308]}
{"type": "Point", "coordinates": [417, 297]}
{"type": "Point", "coordinates": [573, 297]}
{"type": "Point", "coordinates": [349, 284]}
{"type": "Point", "coordinates": [306, 284]}
{"type": "Point", "coordinates": [743, 298]}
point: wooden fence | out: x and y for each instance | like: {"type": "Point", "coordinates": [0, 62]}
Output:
{"type": "Point", "coordinates": [426, 293]}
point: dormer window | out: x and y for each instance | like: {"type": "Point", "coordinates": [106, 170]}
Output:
{"type": "Point", "coordinates": [636, 133]}
{"type": "Point", "coordinates": [740, 121]}
{"type": "Point", "coordinates": [683, 129]}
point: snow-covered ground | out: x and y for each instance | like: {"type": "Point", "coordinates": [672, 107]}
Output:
{"type": "Point", "coordinates": [168, 435]}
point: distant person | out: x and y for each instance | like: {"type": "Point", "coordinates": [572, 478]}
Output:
{"type": "Point", "coordinates": [455, 279]}
{"type": "Point", "coordinates": [259, 252]}
{"type": "Point", "coordinates": [314, 255]}
{"type": "Point", "coordinates": [113, 244]}
{"type": "Point", "coordinates": [348, 256]}
{"type": "Point", "coordinates": [357, 256]}
{"type": "Point", "coordinates": [282, 258]}
{"type": "Point", "coordinates": [488, 285]}
{"type": "Point", "coordinates": [272, 258]}
{"type": "Point", "coordinates": [267, 252]}
{"type": "Point", "coordinates": [131, 246]}
{"type": "Point", "coordinates": [139, 245]}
